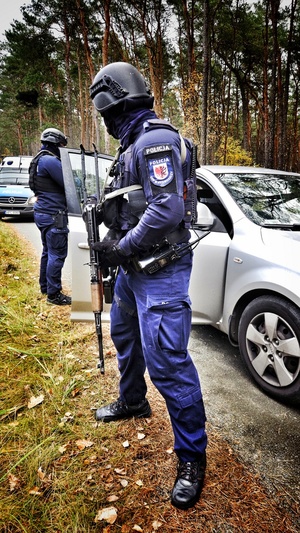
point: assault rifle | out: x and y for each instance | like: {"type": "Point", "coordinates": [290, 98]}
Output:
{"type": "Point", "coordinates": [90, 218]}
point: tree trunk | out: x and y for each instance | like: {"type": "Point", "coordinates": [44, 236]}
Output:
{"type": "Point", "coordinates": [265, 117]}
{"type": "Point", "coordinates": [205, 82]}
{"type": "Point", "coordinates": [285, 105]}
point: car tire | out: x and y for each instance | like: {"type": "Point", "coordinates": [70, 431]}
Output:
{"type": "Point", "coordinates": [269, 343]}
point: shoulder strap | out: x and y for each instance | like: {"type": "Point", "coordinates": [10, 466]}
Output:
{"type": "Point", "coordinates": [158, 122]}
{"type": "Point", "coordinates": [123, 190]}
{"type": "Point", "coordinates": [45, 152]}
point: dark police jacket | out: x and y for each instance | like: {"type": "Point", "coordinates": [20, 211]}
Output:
{"type": "Point", "coordinates": [155, 162]}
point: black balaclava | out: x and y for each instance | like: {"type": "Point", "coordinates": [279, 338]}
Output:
{"type": "Point", "coordinates": [51, 147]}
{"type": "Point", "coordinates": [118, 118]}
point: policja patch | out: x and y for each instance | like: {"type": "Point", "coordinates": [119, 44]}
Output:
{"type": "Point", "coordinates": [160, 167]}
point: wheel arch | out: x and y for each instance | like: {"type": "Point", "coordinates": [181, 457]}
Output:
{"type": "Point", "coordinates": [242, 303]}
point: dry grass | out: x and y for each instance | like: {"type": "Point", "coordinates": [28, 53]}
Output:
{"type": "Point", "coordinates": [59, 470]}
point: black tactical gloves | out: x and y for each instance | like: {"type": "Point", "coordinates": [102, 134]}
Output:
{"type": "Point", "coordinates": [110, 254]}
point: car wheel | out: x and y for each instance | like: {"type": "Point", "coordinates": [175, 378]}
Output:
{"type": "Point", "coordinates": [269, 343]}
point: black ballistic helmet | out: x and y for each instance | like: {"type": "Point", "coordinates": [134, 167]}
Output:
{"type": "Point", "coordinates": [120, 84]}
{"type": "Point", "coordinates": [54, 136]}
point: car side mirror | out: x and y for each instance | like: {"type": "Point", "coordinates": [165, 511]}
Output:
{"type": "Point", "coordinates": [205, 217]}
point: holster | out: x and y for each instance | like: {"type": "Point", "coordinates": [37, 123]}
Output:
{"type": "Point", "coordinates": [60, 219]}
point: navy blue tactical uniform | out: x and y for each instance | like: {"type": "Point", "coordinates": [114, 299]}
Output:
{"type": "Point", "coordinates": [50, 216]}
{"type": "Point", "coordinates": [157, 306]}
{"type": "Point", "coordinates": [151, 313]}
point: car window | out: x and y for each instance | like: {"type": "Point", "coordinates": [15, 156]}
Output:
{"type": "Point", "coordinates": [13, 178]}
{"type": "Point", "coordinates": [266, 198]}
{"type": "Point", "coordinates": [79, 173]}
{"type": "Point", "coordinates": [90, 174]}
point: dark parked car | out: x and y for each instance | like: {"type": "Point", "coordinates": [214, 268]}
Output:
{"type": "Point", "coordinates": [16, 198]}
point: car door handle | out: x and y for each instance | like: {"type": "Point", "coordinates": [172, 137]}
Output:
{"type": "Point", "coordinates": [83, 245]}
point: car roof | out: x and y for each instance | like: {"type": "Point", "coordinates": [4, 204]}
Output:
{"type": "Point", "coordinates": [226, 169]}
{"type": "Point", "coordinates": [20, 162]}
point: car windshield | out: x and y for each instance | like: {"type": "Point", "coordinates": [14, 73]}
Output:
{"type": "Point", "coordinates": [267, 199]}
{"type": "Point", "coordinates": [13, 178]}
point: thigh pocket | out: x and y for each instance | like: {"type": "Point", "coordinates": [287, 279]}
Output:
{"type": "Point", "coordinates": [58, 240]}
{"type": "Point", "coordinates": [169, 322]}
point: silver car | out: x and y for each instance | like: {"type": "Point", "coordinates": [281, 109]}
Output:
{"type": "Point", "coordinates": [246, 275]}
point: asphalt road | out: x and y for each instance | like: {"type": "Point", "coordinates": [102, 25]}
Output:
{"type": "Point", "coordinates": [264, 433]}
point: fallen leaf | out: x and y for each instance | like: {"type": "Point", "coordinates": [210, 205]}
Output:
{"type": "Point", "coordinates": [35, 400]}
{"type": "Point", "coordinates": [90, 460]}
{"type": "Point", "coordinates": [41, 474]}
{"type": "Point", "coordinates": [120, 471]}
{"type": "Point", "coordinates": [124, 483]}
{"type": "Point", "coordinates": [67, 418]}
{"type": "Point", "coordinates": [156, 525]}
{"type": "Point", "coordinates": [112, 498]}
{"type": "Point", "coordinates": [35, 491]}
{"type": "Point", "coordinates": [137, 528]}
{"type": "Point", "coordinates": [14, 482]}
{"type": "Point", "coordinates": [82, 443]}
{"type": "Point", "coordinates": [109, 514]}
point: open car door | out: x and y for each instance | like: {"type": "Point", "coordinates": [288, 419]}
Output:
{"type": "Point", "coordinates": [71, 159]}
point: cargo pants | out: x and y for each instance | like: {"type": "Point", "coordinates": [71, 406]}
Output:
{"type": "Point", "coordinates": [54, 252]}
{"type": "Point", "coordinates": [150, 327]}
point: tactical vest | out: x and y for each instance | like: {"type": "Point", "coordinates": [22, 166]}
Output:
{"type": "Point", "coordinates": [42, 183]}
{"type": "Point", "coordinates": [125, 204]}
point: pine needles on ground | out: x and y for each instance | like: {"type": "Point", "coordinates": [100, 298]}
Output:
{"type": "Point", "coordinates": [62, 472]}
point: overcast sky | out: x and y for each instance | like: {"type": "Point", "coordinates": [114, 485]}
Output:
{"type": "Point", "coordinates": [10, 10]}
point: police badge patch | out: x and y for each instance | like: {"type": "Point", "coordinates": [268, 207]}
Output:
{"type": "Point", "coordinates": [160, 166]}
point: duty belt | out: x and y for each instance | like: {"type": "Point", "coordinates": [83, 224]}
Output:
{"type": "Point", "coordinates": [167, 247]}
{"type": "Point", "coordinates": [177, 236]}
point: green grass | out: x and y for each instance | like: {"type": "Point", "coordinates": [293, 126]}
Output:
{"type": "Point", "coordinates": [42, 355]}
{"type": "Point", "coordinates": [59, 469]}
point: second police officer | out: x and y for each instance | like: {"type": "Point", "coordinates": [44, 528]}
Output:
{"type": "Point", "coordinates": [50, 214]}
{"type": "Point", "coordinates": [151, 313]}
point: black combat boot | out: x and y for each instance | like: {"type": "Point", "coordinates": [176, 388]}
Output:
{"type": "Point", "coordinates": [189, 482]}
{"type": "Point", "coordinates": [59, 299]}
{"type": "Point", "coordinates": [119, 409]}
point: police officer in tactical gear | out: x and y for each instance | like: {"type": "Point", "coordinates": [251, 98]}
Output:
{"type": "Point", "coordinates": [151, 313]}
{"type": "Point", "coordinates": [50, 214]}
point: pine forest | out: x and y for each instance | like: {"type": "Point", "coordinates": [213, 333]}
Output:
{"type": "Point", "coordinates": [226, 72]}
